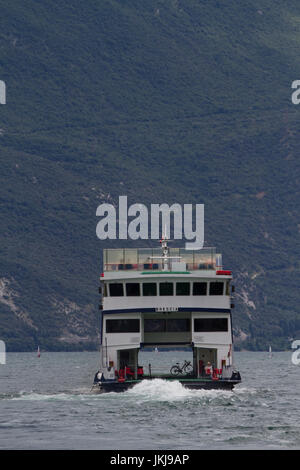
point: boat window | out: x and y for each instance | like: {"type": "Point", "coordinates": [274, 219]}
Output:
{"type": "Point", "coordinates": [123, 326]}
{"type": "Point", "coordinates": [104, 289]}
{"type": "Point", "coordinates": [132, 289]}
{"type": "Point", "coordinates": [216, 288]}
{"type": "Point", "coordinates": [149, 288]}
{"type": "Point", "coordinates": [179, 324]}
{"type": "Point", "coordinates": [210, 324]}
{"type": "Point", "coordinates": [159, 325]}
{"type": "Point", "coordinates": [228, 288]}
{"type": "Point", "coordinates": [182, 288]}
{"type": "Point", "coordinates": [116, 290]}
{"type": "Point", "coordinates": [154, 326]}
{"type": "Point", "coordinates": [199, 288]}
{"type": "Point", "coordinates": [166, 288]}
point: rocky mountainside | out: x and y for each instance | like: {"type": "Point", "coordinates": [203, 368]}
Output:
{"type": "Point", "coordinates": [162, 101]}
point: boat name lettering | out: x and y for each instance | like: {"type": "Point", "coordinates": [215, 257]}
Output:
{"type": "Point", "coordinates": [166, 309]}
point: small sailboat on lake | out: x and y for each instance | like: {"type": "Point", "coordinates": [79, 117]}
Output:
{"type": "Point", "coordinates": [270, 352]}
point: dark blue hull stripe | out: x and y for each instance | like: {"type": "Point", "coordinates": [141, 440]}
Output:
{"type": "Point", "coordinates": [180, 309]}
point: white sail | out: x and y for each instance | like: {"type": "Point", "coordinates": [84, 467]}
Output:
{"type": "Point", "coordinates": [270, 351]}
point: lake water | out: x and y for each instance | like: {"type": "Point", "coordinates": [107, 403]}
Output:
{"type": "Point", "coordinates": [45, 403]}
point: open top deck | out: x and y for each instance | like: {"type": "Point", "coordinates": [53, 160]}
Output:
{"type": "Point", "coordinates": [150, 259]}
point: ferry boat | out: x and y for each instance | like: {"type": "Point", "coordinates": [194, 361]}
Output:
{"type": "Point", "coordinates": [165, 298]}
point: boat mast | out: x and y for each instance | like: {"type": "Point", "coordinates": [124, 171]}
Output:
{"type": "Point", "coordinates": [165, 252]}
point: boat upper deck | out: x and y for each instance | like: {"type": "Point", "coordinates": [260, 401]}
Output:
{"type": "Point", "coordinates": [151, 260]}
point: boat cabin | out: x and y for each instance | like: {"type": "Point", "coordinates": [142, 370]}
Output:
{"type": "Point", "coordinates": [171, 298]}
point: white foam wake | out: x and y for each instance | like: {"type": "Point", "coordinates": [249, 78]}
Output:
{"type": "Point", "coordinates": [163, 390]}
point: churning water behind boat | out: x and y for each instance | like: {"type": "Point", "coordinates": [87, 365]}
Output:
{"type": "Point", "coordinates": [45, 403]}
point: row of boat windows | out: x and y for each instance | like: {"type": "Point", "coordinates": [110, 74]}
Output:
{"type": "Point", "coordinates": [167, 325]}
{"type": "Point", "coordinates": [136, 289]}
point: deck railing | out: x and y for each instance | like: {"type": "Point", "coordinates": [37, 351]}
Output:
{"type": "Point", "coordinates": [148, 259]}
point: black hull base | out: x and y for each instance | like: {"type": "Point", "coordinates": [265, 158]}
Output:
{"type": "Point", "coordinates": [193, 384]}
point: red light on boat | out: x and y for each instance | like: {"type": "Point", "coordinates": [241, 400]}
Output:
{"type": "Point", "coordinates": [102, 275]}
{"type": "Point", "coordinates": [224, 273]}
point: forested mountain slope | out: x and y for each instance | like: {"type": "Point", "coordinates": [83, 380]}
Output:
{"type": "Point", "coordinates": [163, 101]}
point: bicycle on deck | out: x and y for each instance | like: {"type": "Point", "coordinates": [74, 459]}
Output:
{"type": "Point", "coordinates": [186, 368]}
